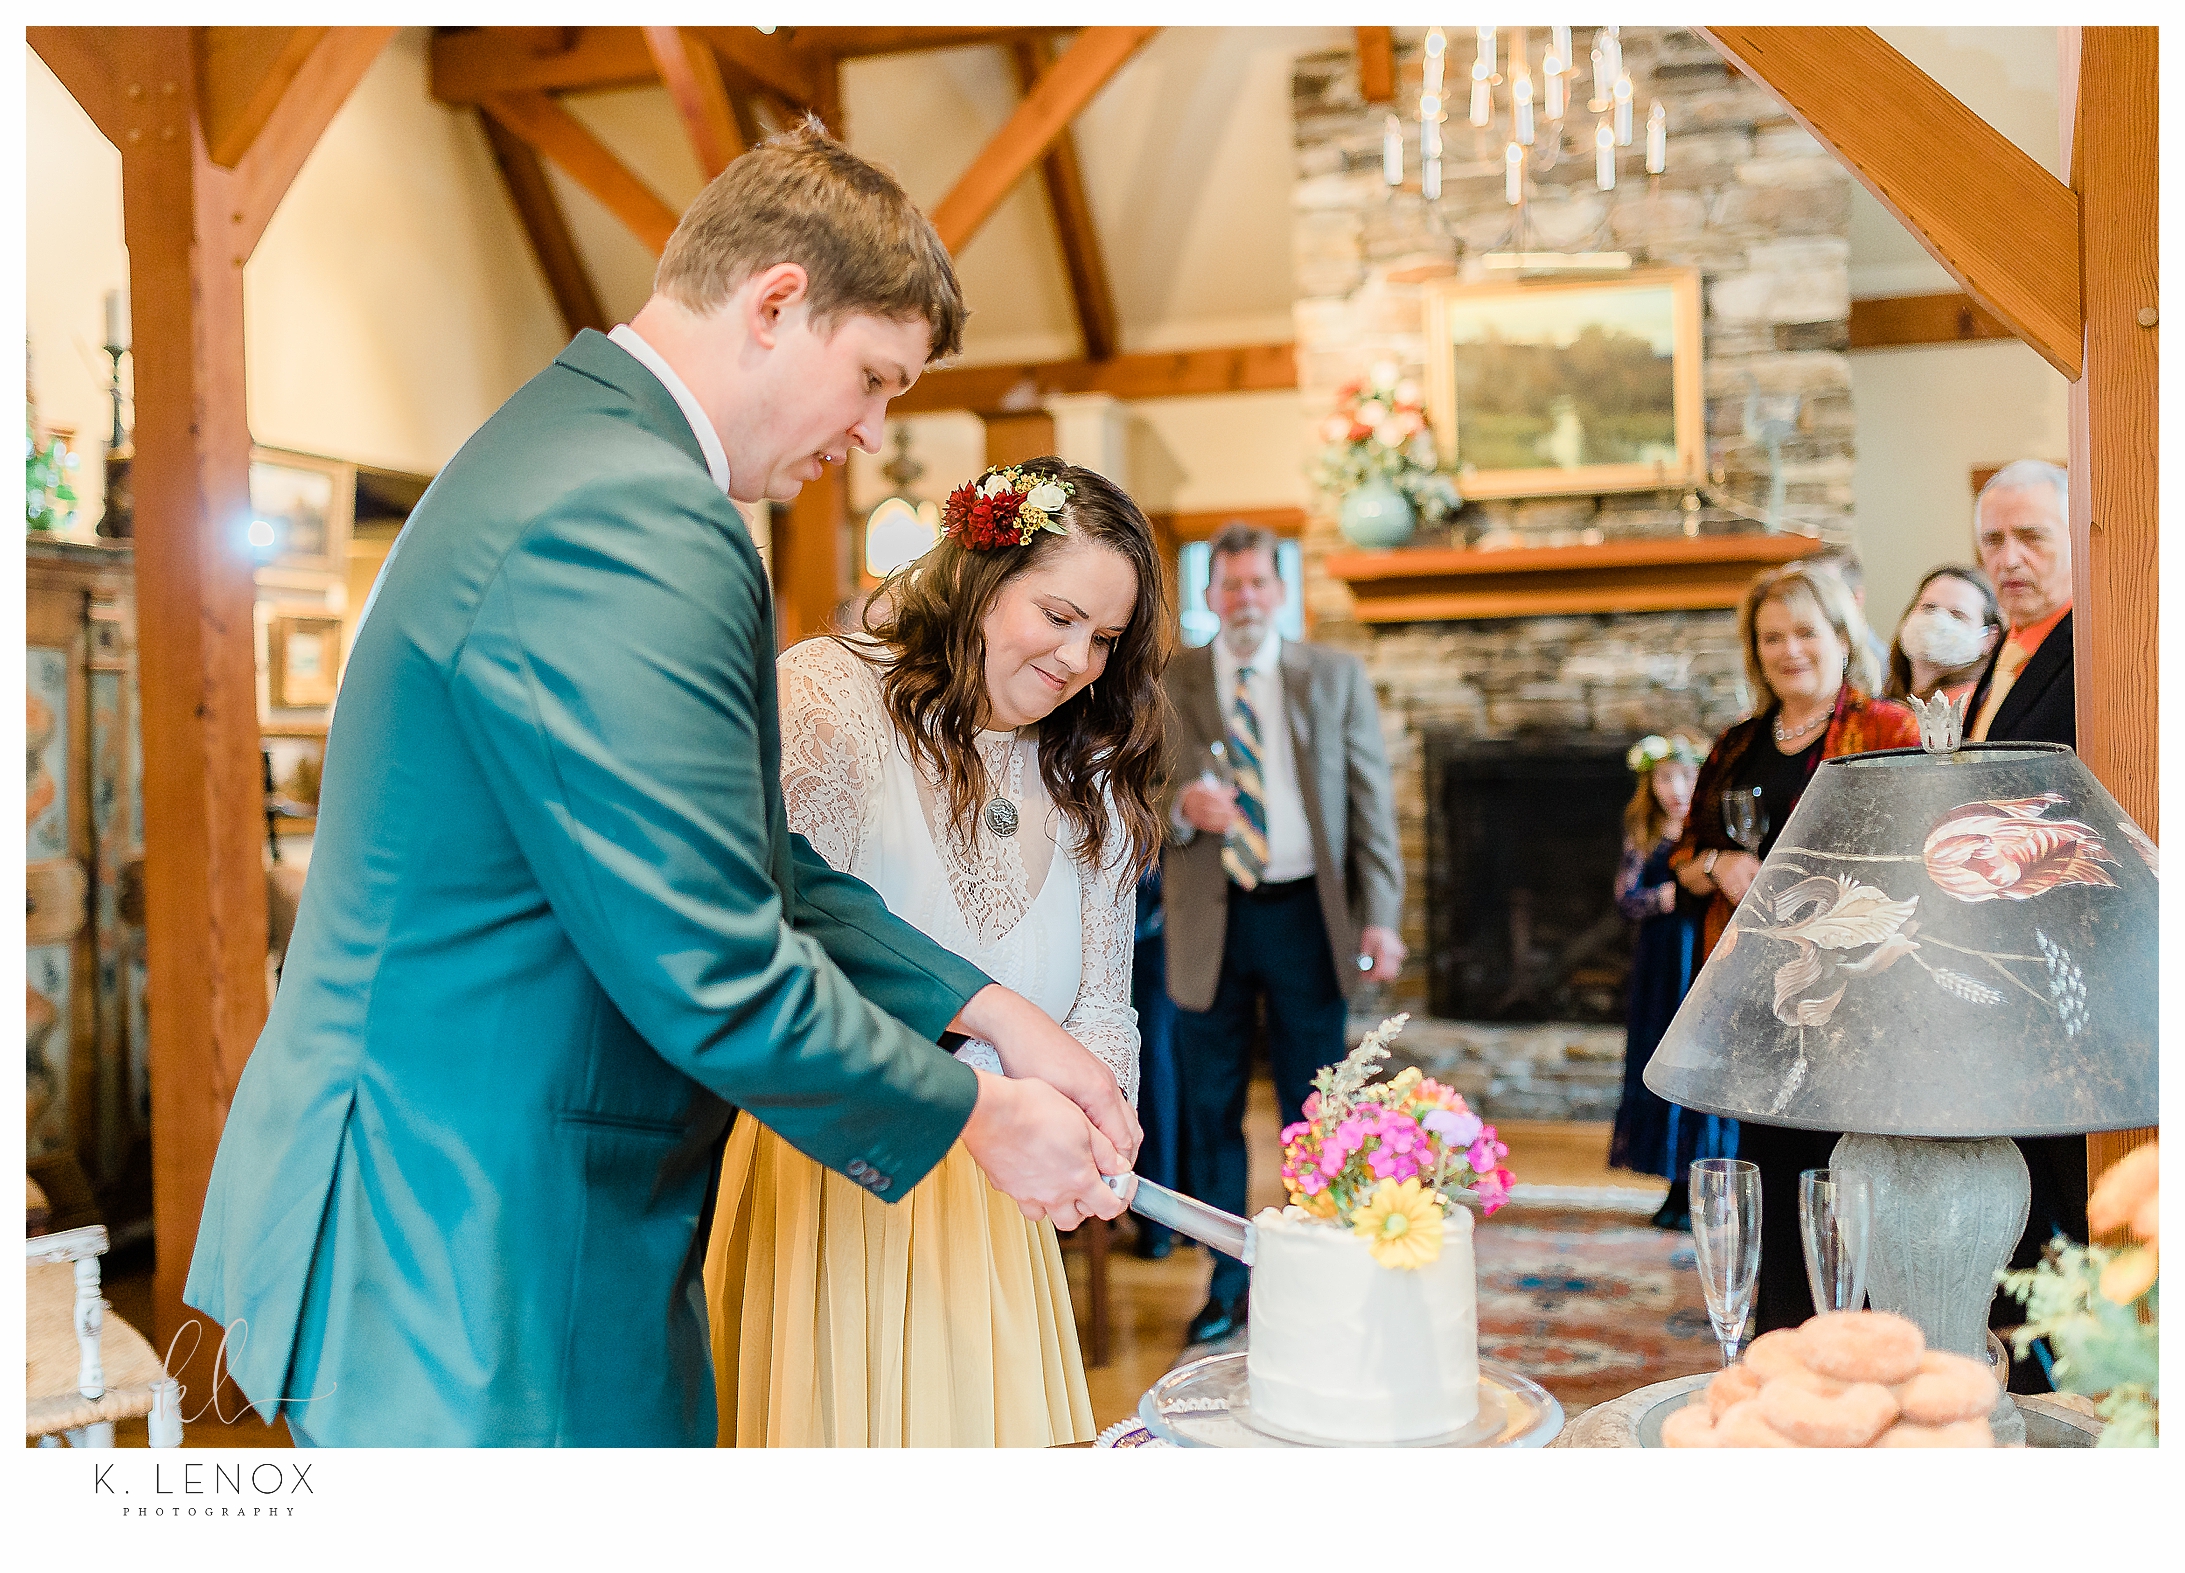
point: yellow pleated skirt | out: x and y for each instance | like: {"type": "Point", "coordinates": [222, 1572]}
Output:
{"type": "Point", "coordinates": [839, 1320]}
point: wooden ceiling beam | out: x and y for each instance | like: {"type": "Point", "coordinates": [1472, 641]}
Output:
{"type": "Point", "coordinates": [470, 65]}
{"type": "Point", "coordinates": [861, 43]}
{"type": "Point", "coordinates": [2006, 228]}
{"type": "Point", "coordinates": [801, 75]}
{"type": "Point", "coordinates": [1063, 89]}
{"type": "Point", "coordinates": [314, 95]}
{"type": "Point", "coordinates": [558, 135]}
{"type": "Point", "coordinates": [1097, 321]}
{"type": "Point", "coordinates": [1376, 64]}
{"type": "Point", "coordinates": [547, 228]}
{"type": "Point", "coordinates": [241, 74]}
{"type": "Point", "coordinates": [692, 75]}
{"type": "Point", "coordinates": [1014, 389]}
{"type": "Point", "coordinates": [1898, 321]}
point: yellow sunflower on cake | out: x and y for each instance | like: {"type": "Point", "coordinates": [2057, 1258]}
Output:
{"type": "Point", "coordinates": [1401, 1225]}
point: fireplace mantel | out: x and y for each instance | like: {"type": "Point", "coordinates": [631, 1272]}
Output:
{"type": "Point", "coordinates": [1454, 584]}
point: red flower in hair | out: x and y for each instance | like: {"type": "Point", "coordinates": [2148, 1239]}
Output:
{"type": "Point", "coordinates": [997, 509]}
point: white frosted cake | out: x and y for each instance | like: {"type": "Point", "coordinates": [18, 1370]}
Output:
{"type": "Point", "coordinates": [1344, 1349]}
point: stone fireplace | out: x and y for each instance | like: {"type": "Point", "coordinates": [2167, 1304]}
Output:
{"type": "Point", "coordinates": [1475, 694]}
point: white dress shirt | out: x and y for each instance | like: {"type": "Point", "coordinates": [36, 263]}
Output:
{"type": "Point", "coordinates": [1289, 834]}
{"type": "Point", "coordinates": [709, 440]}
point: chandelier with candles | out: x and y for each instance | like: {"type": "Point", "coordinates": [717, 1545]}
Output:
{"type": "Point", "coordinates": [1537, 124]}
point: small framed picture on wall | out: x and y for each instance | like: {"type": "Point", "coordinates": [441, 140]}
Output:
{"type": "Point", "coordinates": [301, 509]}
{"type": "Point", "coordinates": [303, 661]}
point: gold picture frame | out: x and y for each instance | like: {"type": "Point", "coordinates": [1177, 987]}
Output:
{"type": "Point", "coordinates": [303, 661]}
{"type": "Point", "coordinates": [302, 508]}
{"type": "Point", "coordinates": [1568, 386]}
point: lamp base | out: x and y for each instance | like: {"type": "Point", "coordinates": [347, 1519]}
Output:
{"type": "Point", "coordinates": [1947, 1215]}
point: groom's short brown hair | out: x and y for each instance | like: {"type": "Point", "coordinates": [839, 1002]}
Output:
{"type": "Point", "coordinates": [803, 197]}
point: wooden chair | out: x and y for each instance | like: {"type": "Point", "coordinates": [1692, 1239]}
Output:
{"type": "Point", "coordinates": [87, 1369]}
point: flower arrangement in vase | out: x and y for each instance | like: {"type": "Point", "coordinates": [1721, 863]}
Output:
{"type": "Point", "coordinates": [1387, 1160]}
{"type": "Point", "coordinates": [1379, 459]}
{"type": "Point", "coordinates": [2100, 1308]}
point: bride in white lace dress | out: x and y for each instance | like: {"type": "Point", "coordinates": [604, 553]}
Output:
{"type": "Point", "coordinates": [984, 757]}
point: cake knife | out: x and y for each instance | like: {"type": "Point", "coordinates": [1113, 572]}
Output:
{"type": "Point", "coordinates": [1189, 1216]}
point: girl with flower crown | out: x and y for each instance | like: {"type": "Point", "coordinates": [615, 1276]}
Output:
{"type": "Point", "coordinates": [983, 753]}
{"type": "Point", "coordinates": [1652, 1135]}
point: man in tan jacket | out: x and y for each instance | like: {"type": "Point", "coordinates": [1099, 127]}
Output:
{"type": "Point", "coordinates": [1283, 878]}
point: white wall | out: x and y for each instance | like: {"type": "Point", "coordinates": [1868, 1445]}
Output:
{"type": "Point", "coordinates": [72, 256]}
{"type": "Point", "coordinates": [1927, 418]}
{"type": "Point", "coordinates": [394, 302]}
{"type": "Point", "coordinates": [391, 306]}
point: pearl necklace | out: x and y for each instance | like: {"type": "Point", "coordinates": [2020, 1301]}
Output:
{"type": "Point", "coordinates": [1781, 736]}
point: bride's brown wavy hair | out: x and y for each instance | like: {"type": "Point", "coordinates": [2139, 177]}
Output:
{"type": "Point", "coordinates": [1105, 742]}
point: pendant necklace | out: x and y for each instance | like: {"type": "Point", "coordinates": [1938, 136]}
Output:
{"type": "Point", "coordinates": [1001, 812]}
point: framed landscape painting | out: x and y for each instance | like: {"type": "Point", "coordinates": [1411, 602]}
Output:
{"type": "Point", "coordinates": [301, 508]}
{"type": "Point", "coordinates": [1567, 386]}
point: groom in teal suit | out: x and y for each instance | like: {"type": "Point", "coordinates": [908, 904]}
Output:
{"type": "Point", "coordinates": [556, 931]}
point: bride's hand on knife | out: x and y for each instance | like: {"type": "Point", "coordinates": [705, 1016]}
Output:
{"type": "Point", "coordinates": [1032, 1047]}
{"type": "Point", "coordinates": [1039, 1150]}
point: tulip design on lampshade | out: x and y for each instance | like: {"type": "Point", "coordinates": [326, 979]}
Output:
{"type": "Point", "coordinates": [1984, 851]}
{"type": "Point", "coordinates": [2009, 852]}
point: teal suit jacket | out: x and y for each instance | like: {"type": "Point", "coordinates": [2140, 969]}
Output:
{"type": "Point", "coordinates": [555, 927]}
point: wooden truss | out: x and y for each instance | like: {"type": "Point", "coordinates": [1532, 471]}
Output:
{"type": "Point", "coordinates": [731, 85]}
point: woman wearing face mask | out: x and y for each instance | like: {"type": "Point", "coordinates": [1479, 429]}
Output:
{"type": "Point", "coordinates": [983, 753]}
{"type": "Point", "coordinates": [1807, 660]}
{"type": "Point", "coordinates": [1945, 637]}
{"type": "Point", "coordinates": [1652, 1135]}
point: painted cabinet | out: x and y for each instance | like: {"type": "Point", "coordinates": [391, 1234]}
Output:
{"type": "Point", "coordinates": [86, 1083]}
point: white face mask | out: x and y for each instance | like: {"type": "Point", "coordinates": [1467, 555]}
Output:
{"type": "Point", "coordinates": [1939, 639]}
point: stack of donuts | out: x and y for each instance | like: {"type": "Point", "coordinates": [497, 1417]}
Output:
{"type": "Point", "coordinates": [1843, 1379]}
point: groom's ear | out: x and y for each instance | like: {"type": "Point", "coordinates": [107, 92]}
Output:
{"type": "Point", "coordinates": [771, 292]}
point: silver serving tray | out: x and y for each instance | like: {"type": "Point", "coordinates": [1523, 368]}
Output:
{"type": "Point", "coordinates": [1208, 1403]}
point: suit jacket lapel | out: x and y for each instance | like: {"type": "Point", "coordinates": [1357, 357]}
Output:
{"type": "Point", "coordinates": [1202, 706]}
{"type": "Point", "coordinates": [2040, 670]}
{"type": "Point", "coordinates": [1297, 680]}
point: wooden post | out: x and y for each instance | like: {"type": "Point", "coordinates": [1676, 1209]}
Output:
{"type": "Point", "coordinates": [190, 225]}
{"type": "Point", "coordinates": [812, 569]}
{"type": "Point", "coordinates": [2111, 150]}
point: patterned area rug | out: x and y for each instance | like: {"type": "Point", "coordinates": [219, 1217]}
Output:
{"type": "Point", "coordinates": [1590, 1302]}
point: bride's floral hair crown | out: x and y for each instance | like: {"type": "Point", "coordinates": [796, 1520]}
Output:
{"type": "Point", "coordinates": [1004, 507]}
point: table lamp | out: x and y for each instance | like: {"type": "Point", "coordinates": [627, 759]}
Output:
{"type": "Point", "coordinates": [1948, 946]}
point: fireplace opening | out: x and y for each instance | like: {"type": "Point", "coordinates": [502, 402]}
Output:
{"type": "Point", "coordinates": [1523, 839]}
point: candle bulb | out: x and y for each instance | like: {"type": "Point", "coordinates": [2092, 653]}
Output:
{"type": "Point", "coordinates": [1482, 101]}
{"type": "Point", "coordinates": [1513, 174]}
{"type": "Point", "coordinates": [1553, 67]}
{"type": "Point", "coordinates": [1604, 157]}
{"type": "Point", "coordinates": [1521, 108]}
{"type": "Point", "coordinates": [1657, 139]}
{"type": "Point", "coordinates": [1430, 180]}
{"type": "Point", "coordinates": [1613, 50]}
{"type": "Point", "coordinates": [1484, 66]}
{"type": "Point", "coordinates": [1599, 100]}
{"type": "Point", "coordinates": [1559, 42]}
{"type": "Point", "coordinates": [1437, 48]}
{"type": "Point", "coordinates": [117, 318]}
{"type": "Point", "coordinates": [1392, 151]}
{"type": "Point", "coordinates": [1623, 111]}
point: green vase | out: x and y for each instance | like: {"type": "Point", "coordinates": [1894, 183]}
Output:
{"type": "Point", "coordinates": [1377, 515]}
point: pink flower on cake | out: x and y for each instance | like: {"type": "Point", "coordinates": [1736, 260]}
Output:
{"type": "Point", "coordinates": [1457, 1128]}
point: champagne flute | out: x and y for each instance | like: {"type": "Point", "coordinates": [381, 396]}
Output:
{"type": "Point", "coordinates": [1835, 1221]}
{"type": "Point", "coordinates": [1214, 767]}
{"type": "Point", "coordinates": [1726, 1241]}
{"type": "Point", "coordinates": [1745, 817]}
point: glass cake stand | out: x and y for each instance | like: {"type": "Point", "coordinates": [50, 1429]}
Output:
{"type": "Point", "coordinates": [1208, 1403]}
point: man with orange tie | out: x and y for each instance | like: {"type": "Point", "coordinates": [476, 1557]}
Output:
{"type": "Point", "coordinates": [2023, 531]}
{"type": "Point", "coordinates": [1283, 879]}
{"type": "Point", "coordinates": [2022, 527]}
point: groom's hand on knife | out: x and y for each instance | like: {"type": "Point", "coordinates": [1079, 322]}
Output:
{"type": "Point", "coordinates": [1038, 1148]}
{"type": "Point", "coordinates": [1032, 1047]}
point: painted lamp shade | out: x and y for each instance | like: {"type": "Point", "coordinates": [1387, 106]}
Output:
{"type": "Point", "coordinates": [1940, 944]}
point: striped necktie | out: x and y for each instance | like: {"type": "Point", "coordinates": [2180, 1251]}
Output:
{"type": "Point", "coordinates": [1244, 847]}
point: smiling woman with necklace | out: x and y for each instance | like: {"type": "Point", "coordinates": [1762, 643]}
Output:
{"type": "Point", "coordinates": [982, 753]}
{"type": "Point", "coordinates": [1806, 659]}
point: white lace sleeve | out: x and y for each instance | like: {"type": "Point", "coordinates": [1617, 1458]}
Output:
{"type": "Point", "coordinates": [1102, 1018]}
{"type": "Point", "coordinates": [833, 728]}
